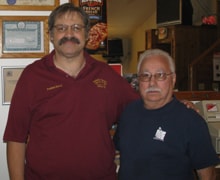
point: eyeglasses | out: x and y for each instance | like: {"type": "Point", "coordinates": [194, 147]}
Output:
{"type": "Point", "coordinates": [63, 27]}
{"type": "Point", "coordinates": [159, 76]}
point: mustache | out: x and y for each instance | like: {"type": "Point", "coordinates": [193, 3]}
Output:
{"type": "Point", "coordinates": [152, 89]}
{"type": "Point", "coordinates": [72, 39]}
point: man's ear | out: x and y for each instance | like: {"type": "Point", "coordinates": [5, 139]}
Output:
{"type": "Point", "coordinates": [51, 36]}
{"type": "Point", "coordinates": [51, 39]}
{"type": "Point", "coordinates": [174, 79]}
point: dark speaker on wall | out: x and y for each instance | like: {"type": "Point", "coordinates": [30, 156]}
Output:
{"type": "Point", "coordinates": [115, 47]}
{"type": "Point", "coordinates": [114, 50]}
{"type": "Point", "coordinates": [172, 12]}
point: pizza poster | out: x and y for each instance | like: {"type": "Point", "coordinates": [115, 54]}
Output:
{"type": "Point", "coordinates": [96, 9]}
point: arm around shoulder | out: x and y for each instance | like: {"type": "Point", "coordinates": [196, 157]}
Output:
{"type": "Point", "coordinates": [208, 173]}
{"type": "Point", "coordinates": [16, 160]}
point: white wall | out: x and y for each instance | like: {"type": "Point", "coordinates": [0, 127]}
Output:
{"type": "Point", "coordinates": [4, 108]}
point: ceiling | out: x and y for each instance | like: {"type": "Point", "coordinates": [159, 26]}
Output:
{"type": "Point", "coordinates": [124, 16]}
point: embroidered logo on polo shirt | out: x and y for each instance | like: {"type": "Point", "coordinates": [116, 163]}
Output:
{"type": "Point", "coordinates": [160, 134]}
{"type": "Point", "coordinates": [100, 83]}
{"type": "Point", "coordinates": [54, 87]}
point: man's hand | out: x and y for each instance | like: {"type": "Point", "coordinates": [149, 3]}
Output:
{"type": "Point", "coordinates": [190, 105]}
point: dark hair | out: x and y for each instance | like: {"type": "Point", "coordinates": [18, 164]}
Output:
{"type": "Point", "coordinates": [64, 8]}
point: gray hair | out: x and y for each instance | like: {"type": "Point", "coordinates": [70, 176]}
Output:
{"type": "Point", "coordinates": [156, 52]}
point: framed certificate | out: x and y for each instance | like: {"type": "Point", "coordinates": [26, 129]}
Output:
{"type": "Point", "coordinates": [41, 5]}
{"type": "Point", "coordinates": [24, 36]}
{"type": "Point", "coordinates": [10, 76]}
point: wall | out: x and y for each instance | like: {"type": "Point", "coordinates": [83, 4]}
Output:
{"type": "Point", "coordinates": [138, 43]}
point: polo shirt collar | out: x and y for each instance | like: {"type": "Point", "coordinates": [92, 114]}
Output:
{"type": "Point", "coordinates": [50, 64]}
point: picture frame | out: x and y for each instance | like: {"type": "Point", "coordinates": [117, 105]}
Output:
{"type": "Point", "coordinates": [10, 76]}
{"type": "Point", "coordinates": [36, 5]}
{"type": "Point", "coordinates": [23, 36]}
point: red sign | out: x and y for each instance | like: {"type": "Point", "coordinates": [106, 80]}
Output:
{"type": "Point", "coordinates": [117, 67]}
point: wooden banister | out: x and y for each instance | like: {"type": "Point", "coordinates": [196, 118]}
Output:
{"type": "Point", "coordinates": [199, 58]}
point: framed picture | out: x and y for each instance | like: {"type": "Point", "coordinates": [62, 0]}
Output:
{"type": "Point", "coordinates": [10, 76]}
{"type": "Point", "coordinates": [23, 36]}
{"type": "Point", "coordinates": [36, 5]}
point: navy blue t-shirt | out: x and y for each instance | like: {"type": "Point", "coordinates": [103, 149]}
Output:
{"type": "Point", "coordinates": [166, 143]}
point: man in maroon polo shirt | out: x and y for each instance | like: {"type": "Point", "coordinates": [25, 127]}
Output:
{"type": "Point", "coordinates": [63, 108]}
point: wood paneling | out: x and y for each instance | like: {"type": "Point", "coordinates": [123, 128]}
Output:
{"type": "Point", "coordinates": [185, 43]}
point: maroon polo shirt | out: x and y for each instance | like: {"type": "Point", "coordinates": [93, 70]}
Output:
{"type": "Point", "coordinates": [67, 119]}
